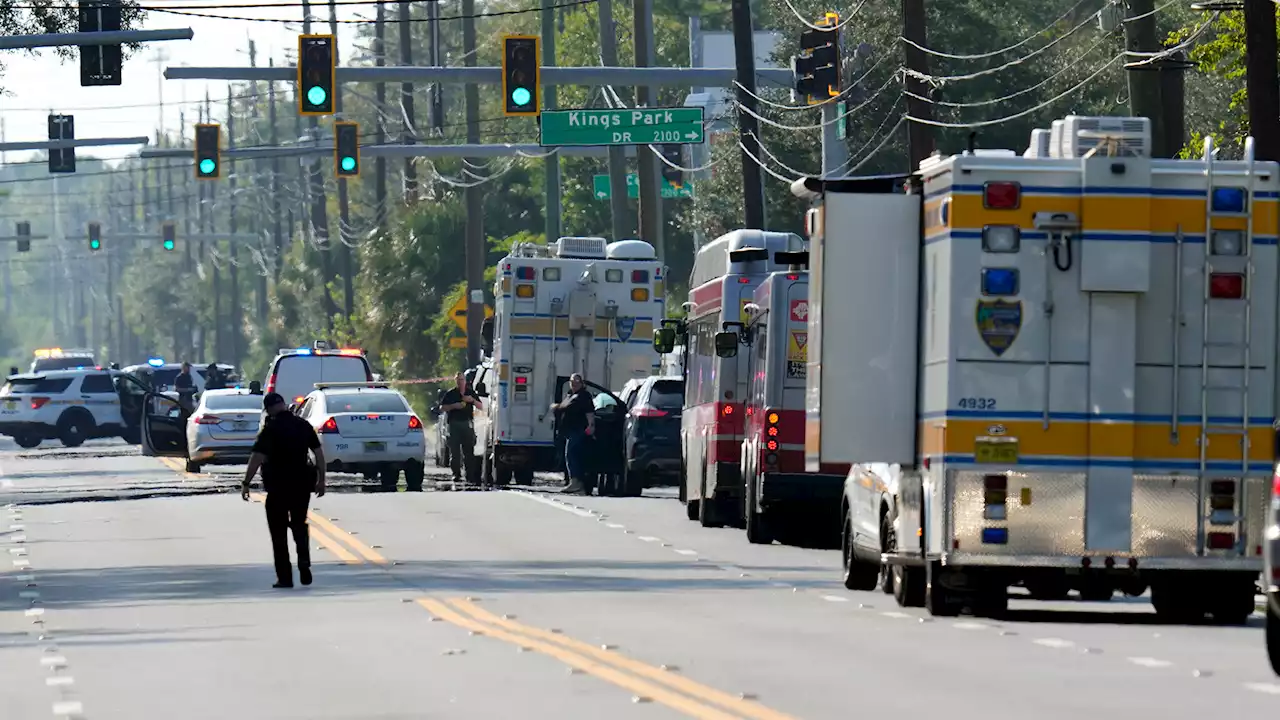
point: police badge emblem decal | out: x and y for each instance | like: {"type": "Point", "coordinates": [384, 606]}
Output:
{"type": "Point", "coordinates": [998, 323]}
{"type": "Point", "coordinates": [625, 326]}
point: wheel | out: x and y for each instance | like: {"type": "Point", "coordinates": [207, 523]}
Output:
{"type": "Point", "coordinates": [193, 467]}
{"type": "Point", "coordinates": [633, 482]}
{"type": "Point", "coordinates": [524, 476]}
{"type": "Point", "coordinates": [501, 475]}
{"type": "Point", "coordinates": [938, 600]}
{"type": "Point", "coordinates": [1049, 589]}
{"type": "Point", "coordinates": [1233, 604]}
{"type": "Point", "coordinates": [888, 544]}
{"type": "Point", "coordinates": [858, 575]}
{"type": "Point", "coordinates": [390, 477]}
{"type": "Point", "coordinates": [708, 509]}
{"type": "Point", "coordinates": [908, 585]}
{"type": "Point", "coordinates": [758, 530]}
{"type": "Point", "coordinates": [74, 427]}
{"type": "Point", "coordinates": [991, 599]}
{"type": "Point", "coordinates": [27, 441]}
{"type": "Point", "coordinates": [1273, 637]}
{"type": "Point", "coordinates": [414, 473]}
{"type": "Point", "coordinates": [1176, 602]}
{"type": "Point", "coordinates": [692, 509]}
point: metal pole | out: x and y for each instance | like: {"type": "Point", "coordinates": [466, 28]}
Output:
{"type": "Point", "coordinates": [344, 212]}
{"type": "Point", "coordinates": [380, 112]}
{"type": "Point", "coordinates": [835, 154]}
{"type": "Point", "coordinates": [276, 230]}
{"type": "Point", "coordinates": [319, 205]}
{"type": "Point", "coordinates": [116, 37]}
{"type": "Point", "coordinates": [551, 164]}
{"type": "Point", "coordinates": [219, 330]}
{"type": "Point", "coordinates": [474, 198]}
{"type": "Point", "coordinates": [259, 203]}
{"type": "Point", "coordinates": [618, 206]}
{"type": "Point", "coordinates": [561, 75]}
{"type": "Point", "coordinates": [408, 134]}
{"type": "Point", "coordinates": [234, 312]}
{"type": "Point", "coordinates": [744, 56]}
{"type": "Point", "coordinates": [648, 177]}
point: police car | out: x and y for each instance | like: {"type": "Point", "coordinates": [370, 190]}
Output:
{"type": "Point", "coordinates": [295, 371]}
{"type": "Point", "coordinates": [71, 406]}
{"type": "Point", "coordinates": [58, 359]}
{"type": "Point", "coordinates": [161, 375]}
{"type": "Point", "coordinates": [367, 428]}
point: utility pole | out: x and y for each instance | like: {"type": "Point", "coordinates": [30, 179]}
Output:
{"type": "Point", "coordinates": [275, 182]}
{"type": "Point", "coordinates": [219, 333]}
{"type": "Point", "coordinates": [436, 90]}
{"type": "Point", "coordinates": [186, 192]}
{"type": "Point", "coordinates": [551, 163]}
{"type": "Point", "coordinates": [408, 135]}
{"type": "Point", "coordinates": [1144, 80]}
{"type": "Point", "coordinates": [1173, 101]}
{"type": "Point", "coordinates": [475, 249]}
{"type": "Point", "coordinates": [744, 54]}
{"type": "Point", "coordinates": [380, 163]}
{"type": "Point", "coordinates": [617, 156]}
{"type": "Point", "coordinates": [234, 321]}
{"type": "Point", "coordinates": [344, 212]}
{"type": "Point", "coordinates": [920, 140]}
{"type": "Point", "coordinates": [159, 57]}
{"type": "Point", "coordinates": [1260, 77]}
{"type": "Point", "coordinates": [259, 203]}
{"type": "Point", "coordinates": [646, 162]}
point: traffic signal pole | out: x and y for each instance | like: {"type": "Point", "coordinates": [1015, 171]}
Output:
{"type": "Point", "coordinates": [618, 207]}
{"type": "Point", "coordinates": [551, 164]}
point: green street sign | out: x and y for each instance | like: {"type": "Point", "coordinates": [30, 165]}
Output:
{"type": "Point", "coordinates": [600, 188]}
{"type": "Point", "coordinates": [641, 126]}
{"type": "Point", "coordinates": [840, 124]}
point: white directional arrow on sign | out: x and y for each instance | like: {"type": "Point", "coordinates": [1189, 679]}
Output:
{"type": "Point", "coordinates": [800, 310]}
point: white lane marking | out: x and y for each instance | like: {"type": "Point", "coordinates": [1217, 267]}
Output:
{"type": "Point", "coordinates": [35, 612]}
{"type": "Point", "coordinates": [1268, 688]}
{"type": "Point", "coordinates": [648, 538]}
{"type": "Point", "coordinates": [68, 707]}
{"type": "Point", "coordinates": [26, 578]}
{"type": "Point", "coordinates": [687, 552]}
{"type": "Point", "coordinates": [1054, 642]}
{"type": "Point", "coordinates": [18, 539]}
{"type": "Point", "coordinates": [57, 680]}
{"type": "Point", "coordinates": [557, 505]}
{"type": "Point", "coordinates": [18, 551]}
{"type": "Point", "coordinates": [29, 594]}
{"type": "Point", "coordinates": [895, 614]}
{"type": "Point", "coordinates": [6, 483]}
{"type": "Point", "coordinates": [21, 563]}
{"type": "Point", "coordinates": [614, 526]}
{"type": "Point", "coordinates": [15, 528]}
{"type": "Point", "coordinates": [1149, 662]}
{"type": "Point", "coordinates": [53, 661]}
{"type": "Point", "coordinates": [835, 598]}
{"type": "Point", "coordinates": [969, 626]}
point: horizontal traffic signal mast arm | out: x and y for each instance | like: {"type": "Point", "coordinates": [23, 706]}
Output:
{"type": "Point", "coordinates": [78, 142]}
{"type": "Point", "coordinates": [399, 151]}
{"type": "Point", "coordinates": [659, 76]}
{"type": "Point", "coordinates": [194, 237]}
{"type": "Point", "coordinates": [114, 37]}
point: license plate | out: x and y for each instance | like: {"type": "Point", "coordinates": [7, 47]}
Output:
{"type": "Point", "coordinates": [10, 405]}
{"type": "Point", "coordinates": [375, 447]}
{"type": "Point", "coordinates": [989, 451]}
{"type": "Point", "coordinates": [240, 426]}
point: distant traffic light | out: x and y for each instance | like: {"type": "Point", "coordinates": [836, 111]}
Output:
{"type": "Point", "coordinates": [208, 147]}
{"type": "Point", "coordinates": [100, 64]}
{"type": "Point", "coordinates": [62, 160]}
{"type": "Point", "coordinates": [169, 233]}
{"type": "Point", "coordinates": [24, 236]}
{"type": "Point", "coordinates": [674, 156]}
{"type": "Point", "coordinates": [95, 236]}
{"type": "Point", "coordinates": [316, 74]}
{"type": "Point", "coordinates": [817, 67]}
{"type": "Point", "coordinates": [346, 148]}
{"type": "Point", "coordinates": [520, 75]}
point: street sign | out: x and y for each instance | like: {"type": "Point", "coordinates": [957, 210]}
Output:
{"type": "Point", "coordinates": [841, 129]}
{"type": "Point", "coordinates": [458, 343]}
{"type": "Point", "coordinates": [600, 188]}
{"type": "Point", "coordinates": [459, 314]}
{"type": "Point", "coordinates": [640, 126]}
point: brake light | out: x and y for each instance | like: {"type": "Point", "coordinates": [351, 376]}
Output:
{"type": "Point", "coordinates": [648, 411]}
{"type": "Point", "coordinates": [414, 423]}
{"type": "Point", "coordinates": [38, 402]}
{"type": "Point", "coordinates": [1226, 286]}
{"type": "Point", "coordinates": [727, 410]}
{"type": "Point", "coordinates": [329, 426]}
{"type": "Point", "coordinates": [207, 419]}
{"type": "Point", "coordinates": [743, 280]}
{"type": "Point", "coordinates": [1222, 540]}
{"type": "Point", "coordinates": [639, 276]}
{"type": "Point", "coordinates": [1275, 484]}
{"type": "Point", "coordinates": [771, 433]}
{"type": "Point", "coordinates": [1001, 195]}
{"type": "Point", "coordinates": [793, 276]}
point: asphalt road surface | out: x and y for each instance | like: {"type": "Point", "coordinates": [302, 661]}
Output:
{"type": "Point", "coordinates": [132, 590]}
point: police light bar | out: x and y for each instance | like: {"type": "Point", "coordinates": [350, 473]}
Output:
{"type": "Point", "coordinates": [351, 351]}
{"type": "Point", "coordinates": [302, 351]}
{"type": "Point", "coordinates": [155, 362]}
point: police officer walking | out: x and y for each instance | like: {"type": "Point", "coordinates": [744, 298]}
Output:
{"type": "Point", "coordinates": [289, 479]}
{"type": "Point", "coordinates": [459, 404]}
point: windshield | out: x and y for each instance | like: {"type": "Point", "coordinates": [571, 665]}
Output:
{"type": "Point", "coordinates": [296, 375]}
{"type": "Point", "coordinates": [36, 386]}
{"type": "Point", "coordinates": [667, 394]}
{"type": "Point", "coordinates": [365, 403]}
{"type": "Point", "coordinates": [67, 362]}
{"type": "Point", "coordinates": [246, 403]}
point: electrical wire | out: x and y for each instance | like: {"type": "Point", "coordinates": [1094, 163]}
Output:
{"type": "Point", "coordinates": [389, 21]}
{"type": "Point", "coordinates": [1001, 51]}
{"type": "Point", "coordinates": [827, 101]}
{"type": "Point", "coordinates": [818, 126]}
{"type": "Point", "coordinates": [828, 28]}
{"type": "Point", "coordinates": [1167, 52]}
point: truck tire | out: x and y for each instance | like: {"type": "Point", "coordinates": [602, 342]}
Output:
{"type": "Point", "coordinates": [908, 586]}
{"type": "Point", "coordinates": [27, 442]}
{"type": "Point", "coordinates": [1233, 604]}
{"type": "Point", "coordinates": [1273, 638]}
{"type": "Point", "coordinates": [414, 473]}
{"type": "Point", "coordinates": [74, 427]}
{"type": "Point", "coordinates": [524, 476]}
{"type": "Point", "coordinates": [708, 508]}
{"type": "Point", "coordinates": [1176, 602]}
{"type": "Point", "coordinates": [939, 601]}
{"type": "Point", "coordinates": [758, 530]}
{"type": "Point", "coordinates": [858, 574]}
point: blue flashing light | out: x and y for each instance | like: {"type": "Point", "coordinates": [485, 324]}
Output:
{"type": "Point", "coordinates": [526, 273]}
{"type": "Point", "coordinates": [155, 362]}
{"type": "Point", "coordinates": [304, 351]}
{"type": "Point", "coordinates": [997, 282]}
{"type": "Point", "coordinates": [995, 536]}
{"type": "Point", "coordinates": [1228, 199]}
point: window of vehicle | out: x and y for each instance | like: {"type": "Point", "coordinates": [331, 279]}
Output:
{"type": "Point", "coordinates": [603, 401]}
{"type": "Point", "coordinates": [98, 384]}
{"type": "Point", "coordinates": [667, 394]}
{"type": "Point", "coordinates": [38, 386]}
{"type": "Point", "coordinates": [243, 403]}
{"type": "Point", "coordinates": [365, 403]}
{"type": "Point", "coordinates": [164, 377]}
{"type": "Point", "coordinates": [66, 362]}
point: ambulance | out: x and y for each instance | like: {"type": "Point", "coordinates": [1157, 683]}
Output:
{"type": "Point", "coordinates": [580, 305]}
{"type": "Point", "coordinates": [1062, 375]}
{"type": "Point", "coordinates": [726, 273]}
{"type": "Point", "coordinates": [782, 500]}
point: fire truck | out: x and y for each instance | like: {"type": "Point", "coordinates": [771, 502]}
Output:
{"type": "Point", "coordinates": [581, 305]}
{"type": "Point", "coordinates": [782, 500]}
{"type": "Point", "coordinates": [1063, 375]}
{"type": "Point", "coordinates": [725, 275]}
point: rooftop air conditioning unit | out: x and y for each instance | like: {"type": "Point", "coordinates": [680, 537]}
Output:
{"type": "Point", "coordinates": [581, 247]}
{"type": "Point", "coordinates": [1055, 139]}
{"type": "Point", "coordinates": [1039, 145]}
{"type": "Point", "coordinates": [1120, 136]}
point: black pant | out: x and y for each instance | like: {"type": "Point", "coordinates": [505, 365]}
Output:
{"type": "Point", "coordinates": [462, 443]}
{"type": "Point", "coordinates": [287, 510]}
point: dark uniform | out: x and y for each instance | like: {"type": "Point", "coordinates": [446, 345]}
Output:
{"type": "Point", "coordinates": [214, 379]}
{"type": "Point", "coordinates": [186, 388]}
{"type": "Point", "coordinates": [461, 435]}
{"type": "Point", "coordinates": [289, 479]}
{"type": "Point", "coordinates": [573, 424]}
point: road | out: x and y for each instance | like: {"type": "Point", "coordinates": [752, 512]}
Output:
{"type": "Point", "coordinates": [132, 590]}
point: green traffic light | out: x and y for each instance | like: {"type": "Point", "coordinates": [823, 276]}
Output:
{"type": "Point", "coordinates": [94, 244]}
{"type": "Point", "coordinates": [168, 244]}
{"type": "Point", "coordinates": [348, 164]}
{"type": "Point", "coordinates": [207, 166]}
{"type": "Point", "coordinates": [521, 96]}
{"type": "Point", "coordinates": [316, 95]}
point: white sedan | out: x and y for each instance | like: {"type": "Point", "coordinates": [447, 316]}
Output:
{"type": "Point", "coordinates": [223, 428]}
{"type": "Point", "coordinates": [368, 428]}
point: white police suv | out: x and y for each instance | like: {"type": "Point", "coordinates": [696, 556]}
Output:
{"type": "Point", "coordinates": [71, 406]}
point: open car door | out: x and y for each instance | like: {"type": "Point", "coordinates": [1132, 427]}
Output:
{"type": "Point", "coordinates": [133, 398]}
{"type": "Point", "coordinates": [164, 427]}
{"type": "Point", "coordinates": [607, 461]}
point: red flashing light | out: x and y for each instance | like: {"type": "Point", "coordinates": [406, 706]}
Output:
{"type": "Point", "coordinates": [648, 411]}
{"type": "Point", "coordinates": [772, 431]}
{"type": "Point", "coordinates": [38, 402]}
{"type": "Point", "coordinates": [522, 380]}
{"type": "Point", "coordinates": [1001, 195]}
{"type": "Point", "coordinates": [1221, 540]}
{"type": "Point", "coordinates": [728, 410]}
{"type": "Point", "coordinates": [526, 273]}
{"type": "Point", "coordinates": [414, 423]}
{"type": "Point", "coordinates": [1275, 483]}
{"type": "Point", "coordinates": [772, 445]}
{"type": "Point", "coordinates": [298, 400]}
{"type": "Point", "coordinates": [743, 280]}
{"type": "Point", "coordinates": [793, 276]}
{"type": "Point", "coordinates": [207, 419]}
{"type": "Point", "coordinates": [329, 426]}
{"type": "Point", "coordinates": [1226, 286]}
{"type": "Point", "coordinates": [373, 416]}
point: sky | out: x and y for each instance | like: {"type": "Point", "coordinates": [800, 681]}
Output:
{"type": "Point", "coordinates": [37, 83]}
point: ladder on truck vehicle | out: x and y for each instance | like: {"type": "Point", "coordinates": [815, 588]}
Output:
{"type": "Point", "coordinates": [1244, 345]}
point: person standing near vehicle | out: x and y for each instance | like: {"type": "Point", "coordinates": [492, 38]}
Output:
{"type": "Point", "coordinates": [213, 378]}
{"type": "Point", "coordinates": [186, 388]}
{"type": "Point", "coordinates": [459, 405]}
{"type": "Point", "coordinates": [289, 479]}
{"type": "Point", "coordinates": [577, 422]}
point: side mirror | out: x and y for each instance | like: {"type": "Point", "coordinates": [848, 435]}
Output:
{"type": "Point", "coordinates": [293, 407]}
{"type": "Point", "coordinates": [486, 335]}
{"type": "Point", "coordinates": [726, 344]}
{"type": "Point", "coordinates": [664, 340]}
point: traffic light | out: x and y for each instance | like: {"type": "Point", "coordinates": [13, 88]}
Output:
{"type": "Point", "coordinates": [673, 155]}
{"type": "Point", "coordinates": [316, 74]}
{"type": "Point", "coordinates": [24, 236]}
{"type": "Point", "coordinates": [817, 67]}
{"type": "Point", "coordinates": [346, 148]}
{"type": "Point", "coordinates": [169, 232]}
{"type": "Point", "coordinates": [62, 160]}
{"type": "Point", "coordinates": [95, 236]}
{"type": "Point", "coordinates": [520, 75]}
{"type": "Point", "coordinates": [100, 64]}
{"type": "Point", "coordinates": [208, 142]}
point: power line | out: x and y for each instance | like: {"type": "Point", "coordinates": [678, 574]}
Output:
{"type": "Point", "coordinates": [389, 21]}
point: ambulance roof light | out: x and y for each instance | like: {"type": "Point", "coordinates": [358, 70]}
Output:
{"type": "Point", "coordinates": [1229, 199]}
